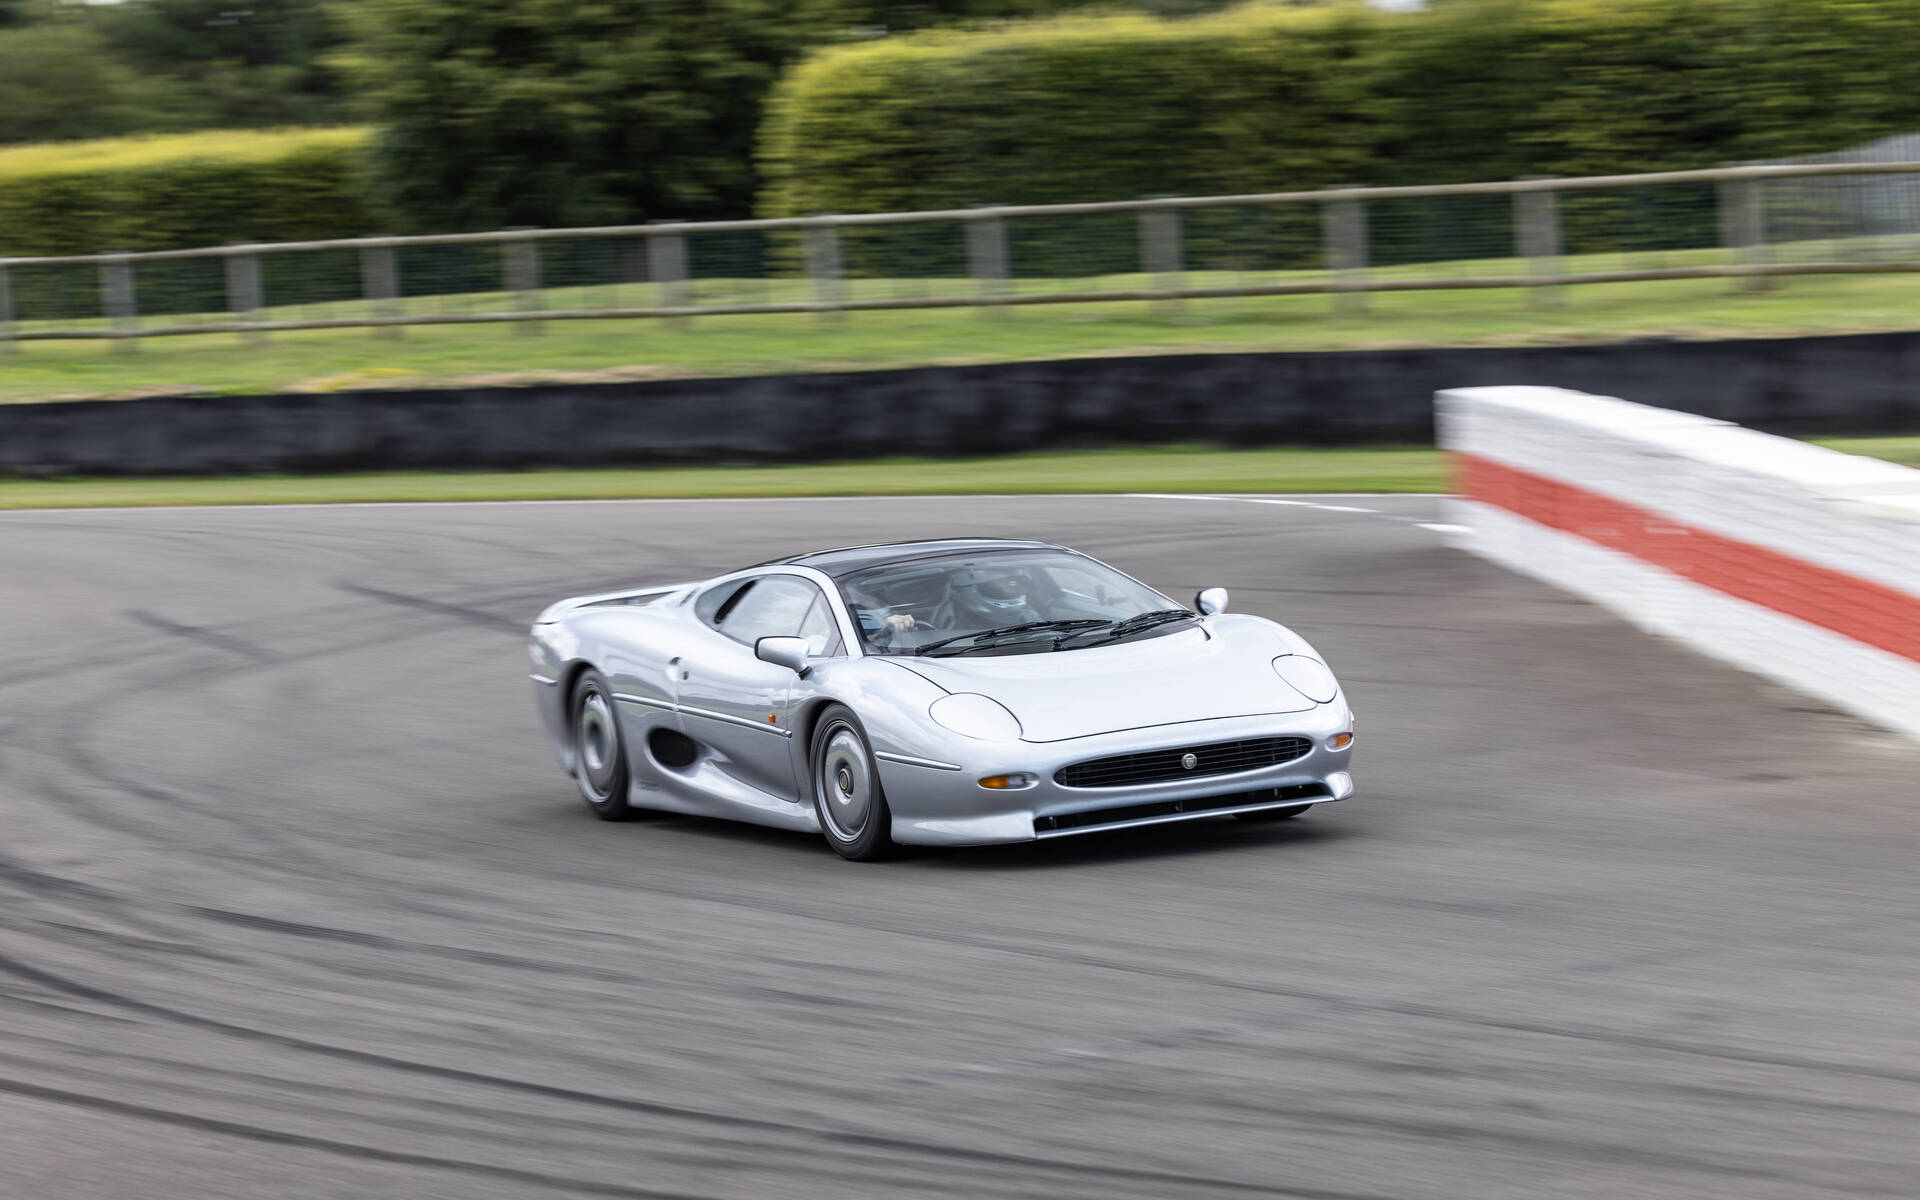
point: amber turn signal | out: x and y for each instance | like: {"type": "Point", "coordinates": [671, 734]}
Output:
{"type": "Point", "coordinates": [1340, 741]}
{"type": "Point", "coordinates": [1007, 782]}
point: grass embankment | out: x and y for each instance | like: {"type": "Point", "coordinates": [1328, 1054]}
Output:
{"type": "Point", "coordinates": [1173, 469]}
{"type": "Point", "coordinates": [766, 344]}
{"type": "Point", "coordinates": [1903, 450]}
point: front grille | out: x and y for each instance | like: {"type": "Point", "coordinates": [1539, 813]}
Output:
{"type": "Point", "coordinates": [1158, 766]}
{"type": "Point", "coordinates": [1067, 822]}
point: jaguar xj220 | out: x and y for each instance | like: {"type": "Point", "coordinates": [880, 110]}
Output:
{"type": "Point", "coordinates": [958, 692]}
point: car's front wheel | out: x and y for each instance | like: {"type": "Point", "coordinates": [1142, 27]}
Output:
{"type": "Point", "coordinates": [599, 756]}
{"type": "Point", "coordinates": [846, 788]}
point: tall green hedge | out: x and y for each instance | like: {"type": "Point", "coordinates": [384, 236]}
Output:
{"type": "Point", "coordinates": [1071, 109]}
{"type": "Point", "coordinates": [1265, 98]}
{"type": "Point", "coordinates": [201, 189]}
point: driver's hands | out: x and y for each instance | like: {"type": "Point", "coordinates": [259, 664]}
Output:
{"type": "Point", "coordinates": [898, 623]}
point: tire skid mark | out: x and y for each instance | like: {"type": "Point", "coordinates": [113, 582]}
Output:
{"type": "Point", "coordinates": [350, 1094]}
{"type": "Point", "coordinates": [1333, 1001]}
{"type": "Point", "coordinates": [123, 941]}
{"type": "Point", "coordinates": [459, 612]}
{"type": "Point", "coordinates": [377, 941]}
{"type": "Point", "coordinates": [1438, 1130]}
{"type": "Point", "coordinates": [649, 1107]}
{"type": "Point", "coordinates": [501, 1124]}
{"type": "Point", "coordinates": [277, 1137]}
{"type": "Point", "coordinates": [274, 845]}
{"type": "Point", "coordinates": [68, 1010]}
{"type": "Point", "coordinates": [67, 735]}
{"type": "Point", "coordinates": [321, 870]}
{"type": "Point", "coordinates": [39, 885]}
{"type": "Point", "coordinates": [202, 635]}
{"type": "Point", "coordinates": [540, 1179]}
{"type": "Point", "coordinates": [706, 1153]}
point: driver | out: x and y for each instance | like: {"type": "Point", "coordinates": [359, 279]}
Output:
{"type": "Point", "coordinates": [877, 630]}
{"type": "Point", "coordinates": [977, 598]}
{"type": "Point", "coordinates": [989, 598]}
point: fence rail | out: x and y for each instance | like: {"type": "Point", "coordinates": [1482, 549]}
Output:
{"type": "Point", "coordinates": [1758, 222]}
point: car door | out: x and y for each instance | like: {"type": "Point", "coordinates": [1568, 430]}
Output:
{"type": "Point", "coordinates": [733, 703]}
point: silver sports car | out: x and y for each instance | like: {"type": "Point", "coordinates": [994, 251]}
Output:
{"type": "Point", "coordinates": [953, 692]}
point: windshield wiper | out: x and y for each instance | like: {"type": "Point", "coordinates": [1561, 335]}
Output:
{"type": "Point", "coordinates": [1140, 624]}
{"type": "Point", "coordinates": [991, 637]}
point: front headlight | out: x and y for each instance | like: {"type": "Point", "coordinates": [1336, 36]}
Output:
{"type": "Point", "coordinates": [1308, 676]}
{"type": "Point", "coordinates": [971, 715]}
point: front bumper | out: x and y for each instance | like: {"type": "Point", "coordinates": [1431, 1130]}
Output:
{"type": "Point", "coordinates": [935, 806]}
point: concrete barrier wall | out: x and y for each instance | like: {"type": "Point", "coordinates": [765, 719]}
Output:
{"type": "Point", "coordinates": [1795, 562]}
{"type": "Point", "coordinates": [1836, 385]}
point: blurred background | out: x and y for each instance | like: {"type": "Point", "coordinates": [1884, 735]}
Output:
{"type": "Point", "coordinates": [196, 176]}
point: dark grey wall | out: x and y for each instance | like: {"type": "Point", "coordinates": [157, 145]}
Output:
{"type": "Point", "coordinates": [1830, 385]}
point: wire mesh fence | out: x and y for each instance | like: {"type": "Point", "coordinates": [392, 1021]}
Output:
{"type": "Point", "coordinates": [1862, 218]}
{"type": "Point", "coordinates": [1855, 212]}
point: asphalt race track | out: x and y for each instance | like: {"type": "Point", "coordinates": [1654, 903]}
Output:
{"type": "Point", "coordinates": [295, 903]}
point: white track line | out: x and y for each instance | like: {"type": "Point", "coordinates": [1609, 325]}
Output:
{"type": "Point", "coordinates": [863, 499]}
{"type": "Point", "coordinates": [1431, 526]}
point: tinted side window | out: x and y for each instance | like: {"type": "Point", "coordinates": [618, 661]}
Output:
{"type": "Point", "coordinates": [821, 631]}
{"type": "Point", "coordinates": [775, 606]}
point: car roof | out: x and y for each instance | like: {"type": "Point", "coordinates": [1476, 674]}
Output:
{"type": "Point", "coordinates": [848, 559]}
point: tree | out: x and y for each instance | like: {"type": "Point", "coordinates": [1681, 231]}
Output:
{"type": "Point", "coordinates": [262, 63]}
{"type": "Point", "coordinates": [558, 112]}
{"type": "Point", "coordinates": [554, 112]}
{"type": "Point", "coordinates": [72, 71]}
{"type": "Point", "coordinates": [59, 80]}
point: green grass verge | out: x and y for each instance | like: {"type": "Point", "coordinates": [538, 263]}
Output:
{"type": "Point", "coordinates": [1177, 469]}
{"type": "Point", "coordinates": [331, 360]}
{"type": "Point", "coordinates": [1169, 469]}
{"type": "Point", "coordinates": [1903, 450]}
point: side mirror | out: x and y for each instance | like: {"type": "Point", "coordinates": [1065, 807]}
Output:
{"type": "Point", "coordinates": [788, 652]}
{"type": "Point", "coordinates": [1210, 601]}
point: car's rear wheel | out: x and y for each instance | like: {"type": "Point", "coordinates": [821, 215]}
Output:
{"type": "Point", "coordinates": [599, 756]}
{"type": "Point", "coordinates": [1274, 814]}
{"type": "Point", "coordinates": [846, 788]}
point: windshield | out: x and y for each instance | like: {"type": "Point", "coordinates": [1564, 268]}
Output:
{"type": "Point", "coordinates": [1000, 602]}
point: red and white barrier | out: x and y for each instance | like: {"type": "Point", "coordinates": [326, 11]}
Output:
{"type": "Point", "coordinates": [1793, 561]}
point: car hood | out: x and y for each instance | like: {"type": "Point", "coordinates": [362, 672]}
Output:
{"type": "Point", "coordinates": [1197, 674]}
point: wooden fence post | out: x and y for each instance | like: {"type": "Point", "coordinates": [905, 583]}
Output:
{"type": "Point", "coordinates": [987, 258]}
{"type": "Point", "coordinates": [380, 283]}
{"type": "Point", "coordinates": [520, 263]}
{"type": "Point", "coordinates": [1160, 255]}
{"type": "Point", "coordinates": [244, 299]}
{"type": "Point", "coordinates": [1536, 219]}
{"type": "Point", "coordinates": [1743, 229]}
{"type": "Point", "coordinates": [824, 270]}
{"type": "Point", "coordinates": [667, 263]}
{"type": "Point", "coordinates": [1343, 225]}
{"type": "Point", "coordinates": [120, 303]}
{"type": "Point", "coordinates": [6, 311]}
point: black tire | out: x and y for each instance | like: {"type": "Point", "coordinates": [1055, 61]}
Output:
{"type": "Point", "coordinates": [1274, 814]}
{"type": "Point", "coordinates": [599, 754]}
{"type": "Point", "coordinates": [844, 780]}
